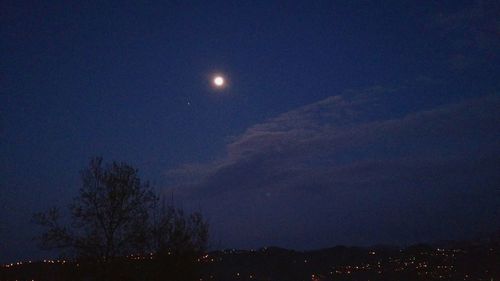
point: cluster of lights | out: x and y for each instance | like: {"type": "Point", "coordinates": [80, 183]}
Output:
{"type": "Point", "coordinates": [207, 259]}
{"type": "Point", "coordinates": [19, 263]}
{"type": "Point", "coordinates": [15, 264]}
{"type": "Point", "coordinates": [239, 275]}
{"type": "Point", "coordinates": [58, 261]}
{"type": "Point", "coordinates": [412, 263]}
{"type": "Point", "coordinates": [418, 264]}
{"type": "Point", "coordinates": [141, 256]}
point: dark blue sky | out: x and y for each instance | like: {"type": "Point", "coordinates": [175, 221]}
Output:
{"type": "Point", "coordinates": [354, 122]}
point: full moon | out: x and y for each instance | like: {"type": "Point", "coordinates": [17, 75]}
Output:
{"type": "Point", "coordinates": [219, 81]}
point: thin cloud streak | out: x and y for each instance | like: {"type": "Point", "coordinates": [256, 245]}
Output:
{"type": "Point", "coordinates": [304, 174]}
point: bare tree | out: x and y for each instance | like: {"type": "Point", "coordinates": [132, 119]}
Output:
{"type": "Point", "coordinates": [178, 240]}
{"type": "Point", "coordinates": [177, 232]}
{"type": "Point", "coordinates": [115, 215]}
{"type": "Point", "coordinates": [109, 218]}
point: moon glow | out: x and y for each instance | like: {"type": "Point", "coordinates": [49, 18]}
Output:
{"type": "Point", "coordinates": [218, 81]}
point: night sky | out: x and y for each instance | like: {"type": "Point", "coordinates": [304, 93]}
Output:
{"type": "Point", "coordinates": [342, 122]}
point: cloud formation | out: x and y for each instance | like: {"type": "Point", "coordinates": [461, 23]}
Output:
{"type": "Point", "coordinates": [347, 168]}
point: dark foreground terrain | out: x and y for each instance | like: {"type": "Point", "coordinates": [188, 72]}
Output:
{"type": "Point", "coordinates": [446, 261]}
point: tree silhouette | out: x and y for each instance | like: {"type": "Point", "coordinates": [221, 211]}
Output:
{"type": "Point", "coordinates": [108, 217]}
{"type": "Point", "coordinates": [178, 241]}
{"type": "Point", "coordinates": [116, 215]}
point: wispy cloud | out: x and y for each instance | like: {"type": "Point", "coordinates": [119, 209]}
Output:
{"type": "Point", "coordinates": [340, 158]}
